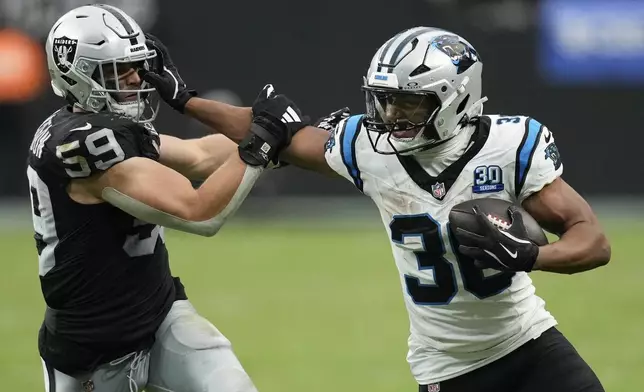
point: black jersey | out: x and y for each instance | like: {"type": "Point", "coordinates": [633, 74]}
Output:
{"type": "Point", "coordinates": [104, 274]}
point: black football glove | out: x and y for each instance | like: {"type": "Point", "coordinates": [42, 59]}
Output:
{"type": "Point", "coordinates": [279, 106]}
{"type": "Point", "coordinates": [330, 121]}
{"type": "Point", "coordinates": [268, 136]}
{"type": "Point", "coordinates": [504, 250]}
{"type": "Point", "coordinates": [276, 111]}
{"type": "Point", "coordinates": [275, 119]}
{"type": "Point", "coordinates": [164, 76]}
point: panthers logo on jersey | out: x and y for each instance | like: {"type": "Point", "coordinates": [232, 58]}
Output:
{"type": "Point", "coordinates": [552, 153]}
{"type": "Point", "coordinates": [328, 146]}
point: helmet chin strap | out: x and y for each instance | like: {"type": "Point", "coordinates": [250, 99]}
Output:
{"type": "Point", "coordinates": [476, 109]}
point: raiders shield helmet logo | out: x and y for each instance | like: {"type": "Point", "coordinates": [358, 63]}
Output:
{"type": "Point", "coordinates": [64, 53]}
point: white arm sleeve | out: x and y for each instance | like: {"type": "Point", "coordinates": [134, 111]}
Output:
{"type": "Point", "coordinates": [538, 161]}
{"type": "Point", "coordinates": [206, 228]}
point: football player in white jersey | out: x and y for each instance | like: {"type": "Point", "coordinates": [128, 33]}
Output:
{"type": "Point", "coordinates": [422, 147]}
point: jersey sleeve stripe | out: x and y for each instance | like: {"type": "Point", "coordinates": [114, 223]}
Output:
{"type": "Point", "coordinates": [348, 148]}
{"type": "Point", "coordinates": [525, 152]}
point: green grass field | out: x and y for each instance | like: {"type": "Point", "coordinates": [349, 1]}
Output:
{"type": "Point", "coordinates": [321, 310]}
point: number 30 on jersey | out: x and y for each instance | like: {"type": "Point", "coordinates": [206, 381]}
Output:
{"type": "Point", "coordinates": [488, 179]}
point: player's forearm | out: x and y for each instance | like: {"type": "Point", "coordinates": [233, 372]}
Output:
{"type": "Point", "coordinates": [224, 190]}
{"type": "Point", "coordinates": [169, 200]}
{"type": "Point", "coordinates": [217, 199]}
{"type": "Point", "coordinates": [581, 248]}
{"type": "Point", "coordinates": [231, 121]}
{"type": "Point", "coordinates": [307, 150]}
{"type": "Point", "coordinates": [196, 159]}
{"type": "Point", "coordinates": [214, 150]}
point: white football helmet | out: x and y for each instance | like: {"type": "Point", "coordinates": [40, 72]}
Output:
{"type": "Point", "coordinates": [87, 49]}
{"type": "Point", "coordinates": [422, 87]}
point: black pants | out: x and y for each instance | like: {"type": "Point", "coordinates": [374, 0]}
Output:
{"type": "Point", "coordinates": [546, 364]}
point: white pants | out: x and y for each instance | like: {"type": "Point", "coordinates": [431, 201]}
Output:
{"type": "Point", "coordinates": [189, 355]}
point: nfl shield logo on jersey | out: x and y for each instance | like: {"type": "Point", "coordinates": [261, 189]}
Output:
{"type": "Point", "coordinates": [434, 387]}
{"type": "Point", "coordinates": [438, 190]}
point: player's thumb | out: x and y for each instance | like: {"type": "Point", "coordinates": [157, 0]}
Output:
{"type": "Point", "coordinates": [259, 103]}
{"type": "Point", "coordinates": [342, 113]}
{"type": "Point", "coordinates": [267, 92]}
{"type": "Point", "coordinates": [515, 216]}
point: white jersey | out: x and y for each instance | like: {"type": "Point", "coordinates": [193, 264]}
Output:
{"type": "Point", "coordinates": [461, 318]}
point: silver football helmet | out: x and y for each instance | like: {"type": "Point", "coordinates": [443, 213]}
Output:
{"type": "Point", "coordinates": [422, 87]}
{"type": "Point", "coordinates": [88, 50]}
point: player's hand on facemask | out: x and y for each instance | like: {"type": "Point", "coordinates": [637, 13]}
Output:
{"type": "Point", "coordinates": [504, 250]}
{"type": "Point", "coordinates": [164, 76]}
{"type": "Point", "coordinates": [330, 121]}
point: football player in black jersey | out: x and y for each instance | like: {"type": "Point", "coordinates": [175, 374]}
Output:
{"type": "Point", "coordinates": [103, 185]}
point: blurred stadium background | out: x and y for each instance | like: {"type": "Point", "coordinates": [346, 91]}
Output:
{"type": "Point", "coordinates": [302, 280]}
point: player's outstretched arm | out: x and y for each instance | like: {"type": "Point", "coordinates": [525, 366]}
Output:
{"type": "Point", "coordinates": [307, 149]}
{"type": "Point", "coordinates": [231, 121]}
{"type": "Point", "coordinates": [582, 245]}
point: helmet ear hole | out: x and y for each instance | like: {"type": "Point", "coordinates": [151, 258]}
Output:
{"type": "Point", "coordinates": [421, 69]}
{"type": "Point", "coordinates": [68, 80]}
{"type": "Point", "coordinates": [463, 104]}
{"type": "Point", "coordinates": [71, 100]}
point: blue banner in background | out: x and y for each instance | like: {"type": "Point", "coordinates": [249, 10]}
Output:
{"type": "Point", "coordinates": [592, 41]}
